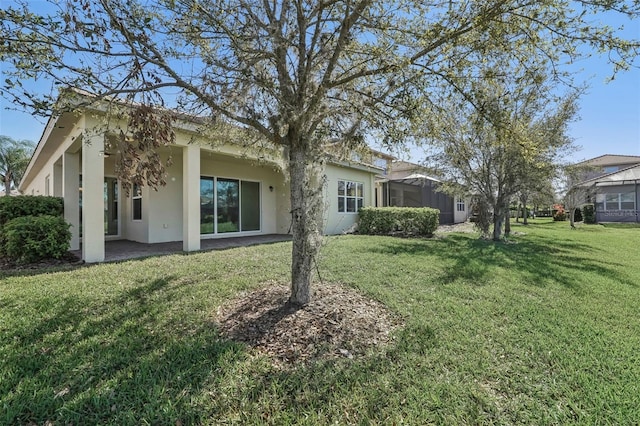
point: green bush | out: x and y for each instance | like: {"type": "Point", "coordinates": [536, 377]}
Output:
{"type": "Point", "coordinates": [559, 216]}
{"type": "Point", "coordinates": [28, 205]}
{"type": "Point", "coordinates": [32, 238]}
{"type": "Point", "coordinates": [415, 221]}
{"type": "Point", "coordinates": [577, 216]}
{"type": "Point", "coordinates": [589, 213]}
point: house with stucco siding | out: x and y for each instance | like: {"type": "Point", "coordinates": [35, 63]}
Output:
{"type": "Point", "coordinates": [213, 190]}
{"type": "Point", "coordinates": [613, 184]}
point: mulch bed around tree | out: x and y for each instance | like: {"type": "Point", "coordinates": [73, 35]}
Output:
{"type": "Point", "coordinates": [338, 322]}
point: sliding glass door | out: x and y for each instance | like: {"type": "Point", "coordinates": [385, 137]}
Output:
{"type": "Point", "coordinates": [207, 206]}
{"type": "Point", "coordinates": [229, 205]}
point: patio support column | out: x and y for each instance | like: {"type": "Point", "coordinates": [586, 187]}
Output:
{"type": "Point", "coordinates": [191, 198]}
{"type": "Point", "coordinates": [93, 199]}
{"type": "Point", "coordinates": [71, 195]}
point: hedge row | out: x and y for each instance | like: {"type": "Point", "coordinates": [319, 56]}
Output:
{"type": "Point", "coordinates": [415, 221]}
{"type": "Point", "coordinates": [33, 228]}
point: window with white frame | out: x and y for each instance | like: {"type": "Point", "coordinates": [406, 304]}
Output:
{"type": "Point", "coordinates": [616, 201]}
{"type": "Point", "coordinates": [460, 205]}
{"type": "Point", "coordinates": [382, 163]}
{"type": "Point", "coordinates": [136, 202]}
{"type": "Point", "coordinates": [628, 201]}
{"type": "Point", "coordinates": [350, 196]}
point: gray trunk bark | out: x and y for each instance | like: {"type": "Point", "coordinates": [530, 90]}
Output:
{"type": "Point", "coordinates": [306, 220]}
{"type": "Point", "coordinates": [498, 218]}
{"type": "Point", "coordinates": [572, 217]}
{"type": "Point", "coordinates": [501, 209]}
{"type": "Point", "coordinates": [507, 223]}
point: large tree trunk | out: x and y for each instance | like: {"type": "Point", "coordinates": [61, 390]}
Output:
{"type": "Point", "coordinates": [498, 218]}
{"type": "Point", "coordinates": [306, 218]}
{"type": "Point", "coordinates": [572, 217]}
{"type": "Point", "coordinates": [500, 211]}
{"type": "Point", "coordinates": [507, 223]}
{"type": "Point", "coordinates": [524, 211]}
{"type": "Point", "coordinates": [518, 213]}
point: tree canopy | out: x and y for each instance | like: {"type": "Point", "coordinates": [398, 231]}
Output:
{"type": "Point", "coordinates": [499, 138]}
{"type": "Point", "coordinates": [302, 74]}
{"type": "Point", "coordinates": [14, 159]}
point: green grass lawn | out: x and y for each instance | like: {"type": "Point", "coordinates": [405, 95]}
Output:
{"type": "Point", "coordinates": [543, 330]}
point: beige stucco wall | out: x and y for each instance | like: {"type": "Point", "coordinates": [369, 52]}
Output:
{"type": "Point", "coordinates": [164, 207]}
{"type": "Point", "coordinates": [335, 222]}
{"type": "Point", "coordinates": [162, 210]}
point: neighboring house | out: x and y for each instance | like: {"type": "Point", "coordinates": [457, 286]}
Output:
{"type": "Point", "coordinates": [607, 164]}
{"type": "Point", "coordinates": [407, 185]}
{"type": "Point", "coordinates": [612, 181]}
{"type": "Point", "coordinates": [212, 191]}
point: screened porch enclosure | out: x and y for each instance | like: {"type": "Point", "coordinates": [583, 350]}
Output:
{"type": "Point", "coordinates": [418, 193]}
{"type": "Point", "coordinates": [617, 203]}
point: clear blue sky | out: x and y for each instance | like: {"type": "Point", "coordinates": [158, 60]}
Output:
{"type": "Point", "coordinates": [609, 113]}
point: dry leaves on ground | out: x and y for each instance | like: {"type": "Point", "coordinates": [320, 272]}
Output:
{"type": "Point", "coordinates": [339, 322]}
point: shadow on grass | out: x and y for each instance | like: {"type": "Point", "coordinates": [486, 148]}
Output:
{"type": "Point", "coordinates": [126, 360]}
{"type": "Point", "coordinates": [118, 362]}
{"type": "Point", "coordinates": [122, 361]}
{"type": "Point", "coordinates": [537, 260]}
{"type": "Point", "coordinates": [389, 386]}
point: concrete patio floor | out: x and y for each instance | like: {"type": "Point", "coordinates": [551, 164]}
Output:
{"type": "Point", "coordinates": [125, 249]}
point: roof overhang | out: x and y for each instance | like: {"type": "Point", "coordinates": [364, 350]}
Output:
{"type": "Point", "coordinates": [55, 132]}
{"type": "Point", "coordinates": [618, 182]}
{"type": "Point", "coordinates": [626, 176]}
{"type": "Point", "coordinates": [60, 127]}
{"type": "Point", "coordinates": [416, 179]}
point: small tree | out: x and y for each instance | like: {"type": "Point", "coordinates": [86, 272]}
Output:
{"type": "Point", "coordinates": [505, 140]}
{"type": "Point", "coordinates": [576, 193]}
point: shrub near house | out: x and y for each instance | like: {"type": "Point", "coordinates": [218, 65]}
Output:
{"type": "Point", "coordinates": [33, 228]}
{"type": "Point", "coordinates": [406, 221]}
{"type": "Point", "coordinates": [589, 213]}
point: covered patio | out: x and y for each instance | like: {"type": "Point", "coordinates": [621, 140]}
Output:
{"type": "Point", "coordinates": [118, 250]}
